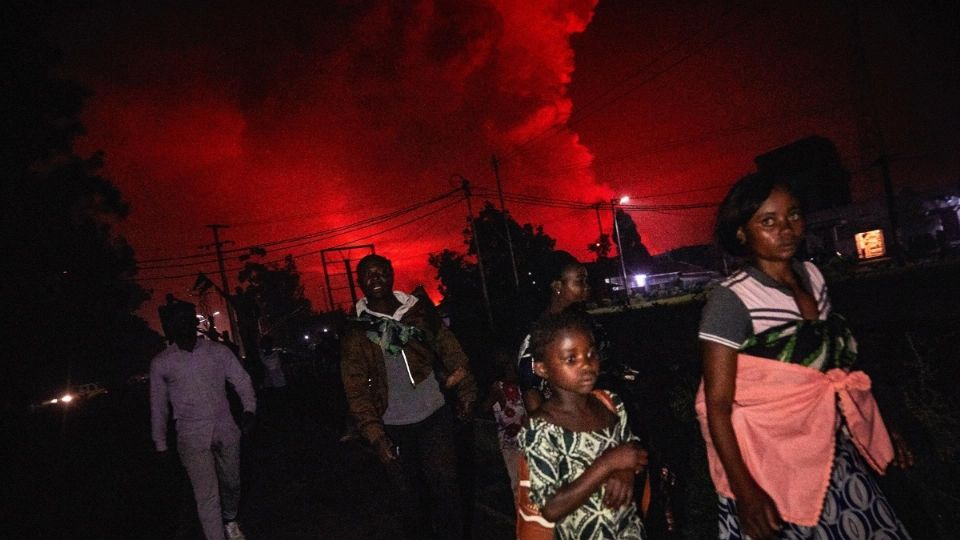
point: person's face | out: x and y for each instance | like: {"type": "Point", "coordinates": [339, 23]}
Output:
{"type": "Point", "coordinates": [572, 287]}
{"type": "Point", "coordinates": [376, 280]}
{"type": "Point", "coordinates": [775, 230]}
{"type": "Point", "coordinates": [571, 363]}
{"type": "Point", "coordinates": [183, 327]}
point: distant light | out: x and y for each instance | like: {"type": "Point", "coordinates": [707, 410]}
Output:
{"type": "Point", "coordinates": [54, 400]}
{"type": "Point", "coordinates": [66, 398]}
{"type": "Point", "coordinates": [306, 337]}
{"type": "Point", "coordinates": [625, 199]}
{"type": "Point", "coordinates": [325, 329]}
{"type": "Point", "coordinates": [640, 280]}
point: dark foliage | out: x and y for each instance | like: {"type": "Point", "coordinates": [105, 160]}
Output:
{"type": "Point", "coordinates": [66, 282]}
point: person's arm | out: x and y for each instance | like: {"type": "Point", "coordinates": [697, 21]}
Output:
{"type": "Point", "coordinates": [455, 362]}
{"type": "Point", "coordinates": [494, 395]}
{"type": "Point", "coordinates": [758, 513]}
{"type": "Point", "coordinates": [159, 405]}
{"type": "Point", "coordinates": [532, 400]}
{"type": "Point", "coordinates": [528, 380]}
{"type": "Point", "coordinates": [353, 374]}
{"type": "Point", "coordinates": [627, 457]}
{"type": "Point", "coordinates": [239, 379]}
{"type": "Point", "coordinates": [618, 488]}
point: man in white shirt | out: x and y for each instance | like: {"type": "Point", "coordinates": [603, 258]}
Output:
{"type": "Point", "coordinates": [190, 375]}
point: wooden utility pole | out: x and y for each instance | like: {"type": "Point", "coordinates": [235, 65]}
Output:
{"type": "Point", "coordinates": [231, 315]}
{"type": "Point", "coordinates": [506, 223]}
{"type": "Point", "coordinates": [465, 184]}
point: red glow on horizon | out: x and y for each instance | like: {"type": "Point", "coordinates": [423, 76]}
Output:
{"type": "Point", "coordinates": [282, 122]}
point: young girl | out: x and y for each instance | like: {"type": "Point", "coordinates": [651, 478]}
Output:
{"type": "Point", "coordinates": [581, 455]}
{"type": "Point", "coordinates": [568, 289]}
{"type": "Point", "coordinates": [789, 427]}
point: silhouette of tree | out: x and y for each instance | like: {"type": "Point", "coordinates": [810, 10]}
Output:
{"type": "Point", "coordinates": [635, 254]}
{"type": "Point", "coordinates": [66, 282]}
{"type": "Point", "coordinates": [601, 246]}
{"type": "Point", "coordinates": [513, 307]}
{"type": "Point", "coordinates": [273, 297]}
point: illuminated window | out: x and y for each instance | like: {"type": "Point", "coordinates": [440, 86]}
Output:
{"type": "Point", "coordinates": [870, 244]}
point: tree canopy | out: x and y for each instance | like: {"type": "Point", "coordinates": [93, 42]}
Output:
{"type": "Point", "coordinates": [67, 279]}
{"type": "Point", "coordinates": [513, 306]}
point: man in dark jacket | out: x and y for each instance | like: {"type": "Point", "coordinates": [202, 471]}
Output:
{"type": "Point", "coordinates": [396, 358]}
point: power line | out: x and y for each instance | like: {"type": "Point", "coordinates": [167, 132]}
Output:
{"type": "Point", "coordinates": [299, 240]}
{"type": "Point", "coordinates": [313, 252]}
{"type": "Point", "coordinates": [580, 205]}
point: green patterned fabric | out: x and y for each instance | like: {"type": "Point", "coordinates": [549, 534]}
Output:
{"type": "Point", "coordinates": [557, 456]}
{"type": "Point", "coordinates": [822, 345]}
{"type": "Point", "coordinates": [390, 334]}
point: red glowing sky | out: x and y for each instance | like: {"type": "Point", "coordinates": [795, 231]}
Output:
{"type": "Point", "coordinates": [286, 118]}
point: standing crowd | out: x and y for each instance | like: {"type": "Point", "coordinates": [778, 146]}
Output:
{"type": "Point", "coordinates": [794, 437]}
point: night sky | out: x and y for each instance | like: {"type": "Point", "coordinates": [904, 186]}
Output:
{"type": "Point", "coordinates": [287, 118]}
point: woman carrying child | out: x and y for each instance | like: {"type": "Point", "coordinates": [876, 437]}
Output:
{"type": "Point", "coordinates": [789, 427]}
{"type": "Point", "coordinates": [581, 454]}
{"type": "Point", "coordinates": [568, 289]}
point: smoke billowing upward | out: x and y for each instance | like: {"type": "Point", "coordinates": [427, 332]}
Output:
{"type": "Point", "coordinates": [281, 120]}
{"type": "Point", "coordinates": [286, 118]}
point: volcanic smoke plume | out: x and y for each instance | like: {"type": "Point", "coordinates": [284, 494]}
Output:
{"type": "Point", "coordinates": [286, 119]}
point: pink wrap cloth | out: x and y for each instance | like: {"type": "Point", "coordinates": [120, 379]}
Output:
{"type": "Point", "coordinates": [785, 420]}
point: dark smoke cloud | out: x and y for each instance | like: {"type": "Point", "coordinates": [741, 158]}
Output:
{"type": "Point", "coordinates": [287, 117]}
{"type": "Point", "coordinates": [296, 117]}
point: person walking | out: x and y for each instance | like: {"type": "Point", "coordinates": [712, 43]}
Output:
{"type": "Point", "coordinates": [791, 428]}
{"type": "Point", "coordinates": [190, 377]}
{"type": "Point", "coordinates": [390, 357]}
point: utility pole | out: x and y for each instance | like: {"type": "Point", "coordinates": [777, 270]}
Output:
{"type": "Point", "coordinates": [465, 184]}
{"type": "Point", "coordinates": [599, 223]}
{"type": "Point", "coordinates": [231, 315]}
{"type": "Point", "coordinates": [506, 224]}
{"type": "Point", "coordinates": [623, 266]}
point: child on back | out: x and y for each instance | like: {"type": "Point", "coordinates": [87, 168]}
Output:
{"type": "Point", "coordinates": [507, 405]}
{"type": "Point", "coordinates": [582, 457]}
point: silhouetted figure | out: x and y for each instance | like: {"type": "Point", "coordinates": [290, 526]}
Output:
{"type": "Point", "coordinates": [190, 375]}
{"type": "Point", "coordinates": [225, 339]}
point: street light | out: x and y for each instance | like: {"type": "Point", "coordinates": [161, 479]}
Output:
{"type": "Point", "coordinates": [616, 229]}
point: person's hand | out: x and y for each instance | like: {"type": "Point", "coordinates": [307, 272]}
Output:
{"type": "Point", "coordinates": [385, 450]}
{"type": "Point", "coordinates": [758, 513]}
{"type": "Point", "coordinates": [902, 456]}
{"type": "Point", "coordinates": [465, 409]}
{"type": "Point", "coordinates": [248, 422]}
{"type": "Point", "coordinates": [628, 457]}
{"type": "Point", "coordinates": [618, 489]}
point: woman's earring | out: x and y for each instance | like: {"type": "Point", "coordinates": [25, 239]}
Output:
{"type": "Point", "coordinates": [557, 291]}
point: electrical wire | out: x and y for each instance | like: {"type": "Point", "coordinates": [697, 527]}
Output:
{"type": "Point", "coordinates": [312, 252]}
{"type": "Point", "coordinates": [297, 240]}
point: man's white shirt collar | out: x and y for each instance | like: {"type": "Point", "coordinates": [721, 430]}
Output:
{"type": "Point", "coordinates": [407, 301]}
